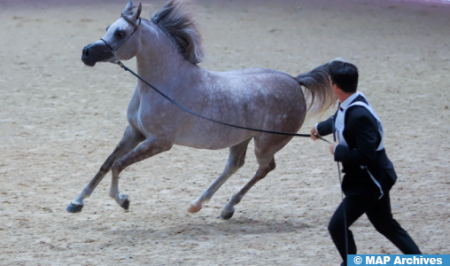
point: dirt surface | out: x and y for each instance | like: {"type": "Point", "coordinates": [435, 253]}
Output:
{"type": "Point", "coordinates": [60, 120]}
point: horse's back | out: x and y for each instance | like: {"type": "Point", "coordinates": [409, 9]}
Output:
{"type": "Point", "coordinates": [260, 83]}
{"type": "Point", "coordinates": [264, 73]}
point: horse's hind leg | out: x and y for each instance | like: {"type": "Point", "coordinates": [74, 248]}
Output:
{"type": "Point", "coordinates": [146, 149]}
{"type": "Point", "coordinates": [266, 145]}
{"type": "Point", "coordinates": [265, 166]}
{"type": "Point", "coordinates": [236, 160]}
{"type": "Point", "coordinates": [130, 140]}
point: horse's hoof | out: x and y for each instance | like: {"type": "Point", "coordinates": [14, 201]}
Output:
{"type": "Point", "coordinates": [194, 208]}
{"type": "Point", "coordinates": [74, 208]}
{"type": "Point", "coordinates": [226, 215]}
{"type": "Point", "coordinates": [125, 204]}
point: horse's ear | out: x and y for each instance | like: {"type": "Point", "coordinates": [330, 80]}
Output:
{"type": "Point", "coordinates": [137, 14]}
{"type": "Point", "coordinates": [129, 7]}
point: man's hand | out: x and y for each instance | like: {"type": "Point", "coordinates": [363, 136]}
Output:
{"type": "Point", "coordinates": [314, 133]}
{"type": "Point", "coordinates": [333, 146]}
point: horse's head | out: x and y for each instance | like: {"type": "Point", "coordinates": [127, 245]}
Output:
{"type": "Point", "coordinates": [118, 35]}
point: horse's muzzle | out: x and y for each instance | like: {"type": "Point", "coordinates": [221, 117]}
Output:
{"type": "Point", "coordinates": [96, 52]}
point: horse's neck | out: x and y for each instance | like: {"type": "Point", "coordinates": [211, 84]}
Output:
{"type": "Point", "coordinates": [159, 62]}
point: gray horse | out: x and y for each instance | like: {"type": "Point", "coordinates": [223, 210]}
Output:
{"type": "Point", "coordinates": [167, 49]}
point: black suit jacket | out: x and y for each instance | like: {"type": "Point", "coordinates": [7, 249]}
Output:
{"type": "Point", "coordinates": [363, 138]}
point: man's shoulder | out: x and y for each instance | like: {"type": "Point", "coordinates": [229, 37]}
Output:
{"type": "Point", "coordinates": [356, 110]}
{"type": "Point", "coordinates": [358, 113]}
{"type": "Point", "coordinates": [360, 98]}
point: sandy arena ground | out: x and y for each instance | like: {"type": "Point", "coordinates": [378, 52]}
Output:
{"type": "Point", "coordinates": [60, 120]}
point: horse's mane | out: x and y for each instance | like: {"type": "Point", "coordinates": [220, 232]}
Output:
{"type": "Point", "coordinates": [178, 24]}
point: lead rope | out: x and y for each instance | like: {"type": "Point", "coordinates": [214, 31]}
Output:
{"type": "Point", "coordinates": [201, 116]}
{"type": "Point", "coordinates": [342, 194]}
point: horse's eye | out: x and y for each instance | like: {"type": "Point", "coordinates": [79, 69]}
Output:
{"type": "Point", "coordinates": [120, 34]}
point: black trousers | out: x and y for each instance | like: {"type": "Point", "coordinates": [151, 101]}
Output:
{"type": "Point", "coordinates": [379, 213]}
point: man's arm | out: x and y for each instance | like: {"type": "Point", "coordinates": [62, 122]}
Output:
{"type": "Point", "coordinates": [326, 127]}
{"type": "Point", "coordinates": [365, 130]}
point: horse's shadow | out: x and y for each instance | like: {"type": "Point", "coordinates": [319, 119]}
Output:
{"type": "Point", "coordinates": [242, 226]}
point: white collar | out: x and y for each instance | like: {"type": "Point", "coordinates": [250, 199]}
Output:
{"type": "Point", "coordinates": [349, 100]}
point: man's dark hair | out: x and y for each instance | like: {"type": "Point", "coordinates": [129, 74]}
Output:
{"type": "Point", "coordinates": [344, 75]}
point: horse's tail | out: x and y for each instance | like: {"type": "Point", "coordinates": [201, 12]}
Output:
{"type": "Point", "coordinates": [318, 92]}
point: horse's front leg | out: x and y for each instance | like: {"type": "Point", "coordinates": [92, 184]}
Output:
{"type": "Point", "coordinates": [146, 149]}
{"type": "Point", "coordinates": [130, 140]}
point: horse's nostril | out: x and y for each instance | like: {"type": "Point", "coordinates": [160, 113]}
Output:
{"type": "Point", "coordinates": [86, 51]}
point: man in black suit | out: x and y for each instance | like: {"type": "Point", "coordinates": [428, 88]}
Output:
{"type": "Point", "coordinates": [369, 174]}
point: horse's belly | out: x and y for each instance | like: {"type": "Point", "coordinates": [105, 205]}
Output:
{"type": "Point", "coordinates": [213, 139]}
{"type": "Point", "coordinates": [189, 131]}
